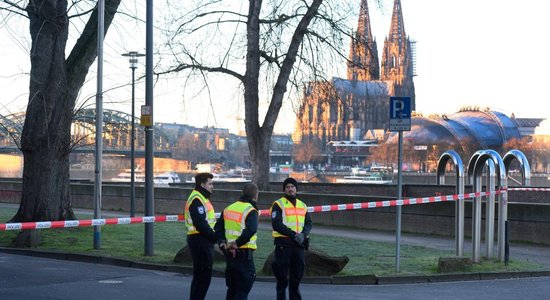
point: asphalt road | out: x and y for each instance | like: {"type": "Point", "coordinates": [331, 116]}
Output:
{"type": "Point", "coordinates": [27, 277]}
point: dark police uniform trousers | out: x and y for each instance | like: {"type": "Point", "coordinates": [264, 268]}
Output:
{"type": "Point", "coordinates": [240, 274]}
{"type": "Point", "coordinates": [288, 267]}
{"type": "Point", "coordinates": [202, 255]}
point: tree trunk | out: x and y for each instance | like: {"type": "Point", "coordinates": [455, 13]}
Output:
{"type": "Point", "coordinates": [259, 138]}
{"type": "Point", "coordinates": [54, 86]}
{"type": "Point", "coordinates": [259, 152]}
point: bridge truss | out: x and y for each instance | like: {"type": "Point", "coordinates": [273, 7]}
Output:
{"type": "Point", "coordinates": [117, 127]}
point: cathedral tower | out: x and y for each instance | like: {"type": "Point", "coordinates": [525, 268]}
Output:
{"type": "Point", "coordinates": [356, 107]}
{"type": "Point", "coordinates": [397, 59]}
{"type": "Point", "coordinates": [363, 53]}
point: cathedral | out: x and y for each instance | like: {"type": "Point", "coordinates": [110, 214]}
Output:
{"type": "Point", "coordinates": [357, 108]}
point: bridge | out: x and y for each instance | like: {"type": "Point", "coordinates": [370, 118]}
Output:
{"type": "Point", "coordinates": [117, 127]}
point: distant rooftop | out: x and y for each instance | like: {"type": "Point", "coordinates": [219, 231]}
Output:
{"type": "Point", "coordinates": [528, 122]}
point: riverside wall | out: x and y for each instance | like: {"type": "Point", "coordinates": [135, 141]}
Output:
{"type": "Point", "coordinates": [528, 212]}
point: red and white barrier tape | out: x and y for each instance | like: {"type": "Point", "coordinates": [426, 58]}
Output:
{"type": "Point", "coordinates": [530, 189]}
{"type": "Point", "coordinates": [263, 212]}
{"type": "Point", "coordinates": [91, 222]}
{"type": "Point", "coordinates": [312, 209]}
{"type": "Point", "coordinates": [390, 203]}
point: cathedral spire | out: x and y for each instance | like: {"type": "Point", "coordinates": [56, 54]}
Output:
{"type": "Point", "coordinates": [397, 59]}
{"type": "Point", "coordinates": [397, 28]}
{"type": "Point", "coordinates": [363, 24]}
{"type": "Point", "coordinates": [363, 54]}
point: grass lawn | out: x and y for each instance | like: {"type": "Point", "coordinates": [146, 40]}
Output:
{"type": "Point", "coordinates": [366, 257]}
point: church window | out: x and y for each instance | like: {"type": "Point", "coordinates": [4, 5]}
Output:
{"type": "Point", "coordinates": [332, 111]}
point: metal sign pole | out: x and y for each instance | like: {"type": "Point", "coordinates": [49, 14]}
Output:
{"type": "Point", "coordinates": [400, 120]}
{"type": "Point", "coordinates": [149, 192]}
{"type": "Point", "coordinates": [99, 123]}
{"type": "Point", "coordinates": [399, 192]}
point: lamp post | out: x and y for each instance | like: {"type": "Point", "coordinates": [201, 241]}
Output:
{"type": "Point", "coordinates": [133, 59]}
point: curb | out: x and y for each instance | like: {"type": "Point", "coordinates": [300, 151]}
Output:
{"type": "Point", "coordinates": [336, 280]}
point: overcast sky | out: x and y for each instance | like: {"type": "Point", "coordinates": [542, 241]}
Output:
{"type": "Point", "coordinates": [489, 53]}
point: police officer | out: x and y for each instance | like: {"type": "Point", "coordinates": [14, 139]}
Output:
{"type": "Point", "coordinates": [200, 218]}
{"type": "Point", "coordinates": [291, 226]}
{"type": "Point", "coordinates": [236, 231]}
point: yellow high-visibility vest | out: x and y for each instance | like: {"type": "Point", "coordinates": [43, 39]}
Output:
{"type": "Point", "coordinates": [293, 216]}
{"type": "Point", "coordinates": [234, 217]}
{"type": "Point", "coordinates": [210, 214]}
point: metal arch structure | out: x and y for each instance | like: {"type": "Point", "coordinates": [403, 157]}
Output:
{"type": "Point", "coordinates": [497, 121]}
{"type": "Point", "coordinates": [471, 164]}
{"type": "Point", "coordinates": [523, 162]}
{"type": "Point", "coordinates": [490, 201]}
{"type": "Point", "coordinates": [483, 157]}
{"type": "Point", "coordinates": [490, 205]}
{"type": "Point", "coordinates": [447, 156]}
{"type": "Point", "coordinates": [490, 209]}
{"type": "Point", "coordinates": [117, 129]}
{"type": "Point", "coordinates": [517, 155]}
{"type": "Point", "coordinates": [11, 127]}
{"type": "Point", "coordinates": [471, 128]}
{"type": "Point", "coordinates": [13, 120]}
{"type": "Point", "coordinates": [464, 143]}
{"type": "Point", "coordinates": [494, 169]}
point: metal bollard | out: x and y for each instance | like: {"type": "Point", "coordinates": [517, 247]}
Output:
{"type": "Point", "coordinates": [480, 162]}
{"type": "Point", "coordinates": [525, 181]}
{"type": "Point", "coordinates": [451, 155]}
{"type": "Point", "coordinates": [506, 243]}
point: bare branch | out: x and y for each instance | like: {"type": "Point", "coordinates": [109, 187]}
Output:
{"type": "Point", "coordinates": [281, 19]}
{"type": "Point", "coordinates": [218, 21]}
{"type": "Point", "coordinates": [14, 8]}
{"type": "Point", "coordinates": [280, 85]}
{"type": "Point", "coordinates": [284, 45]}
{"type": "Point", "coordinates": [13, 4]}
{"type": "Point", "coordinates": [271, 59]}
{"type": "Point", "coordinates": [182, 67]}
{"type": "Point", "coordinates": [82, 13]}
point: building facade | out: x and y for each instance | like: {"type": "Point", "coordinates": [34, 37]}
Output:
{"type": "Point", "coordinates": [355, 107]}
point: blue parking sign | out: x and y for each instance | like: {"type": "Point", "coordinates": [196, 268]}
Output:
{"type": "Point", "coordinates": [400, 113]}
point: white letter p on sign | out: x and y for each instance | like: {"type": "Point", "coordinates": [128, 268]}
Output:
{"type": "Point", "coordinates": [398, 106]}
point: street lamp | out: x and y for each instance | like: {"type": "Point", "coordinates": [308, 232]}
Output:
{"type": "Point", "coordinates": [133, 55]}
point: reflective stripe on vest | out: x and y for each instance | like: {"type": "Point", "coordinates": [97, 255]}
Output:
{"type": "Point", "coordinates": [234, 217]}
{"type": "Point", "coordinates": [210, 214]}
{"type": "Point", "coordinates": [293, 216]}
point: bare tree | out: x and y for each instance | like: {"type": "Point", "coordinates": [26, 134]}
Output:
{"type": "Point", "coordinates": [265, 48]}
{"type": "Point", "coordinates": [192, 148]}
{"type": "Point", "coordinates": [540, 156]}
{"type": "Point", "coordinates": [522, 144]}
{"type": "Point", "coordinates": [385, 153]}
{"type": "Point", "coordinates": [307, 152]}
{"type": "Point", "coordinates": [55, 81]}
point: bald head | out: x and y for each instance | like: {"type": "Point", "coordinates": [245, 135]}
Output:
{"type": "Point", "coordinates": [251, 190]}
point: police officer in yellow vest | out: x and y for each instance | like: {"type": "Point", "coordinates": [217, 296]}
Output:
{"type": "Point", "coordinates": [291, 227]}
{"type": "Point", "coordinates": [236, 231]}
{"type": "Point", "coordinates": [200, 218]}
